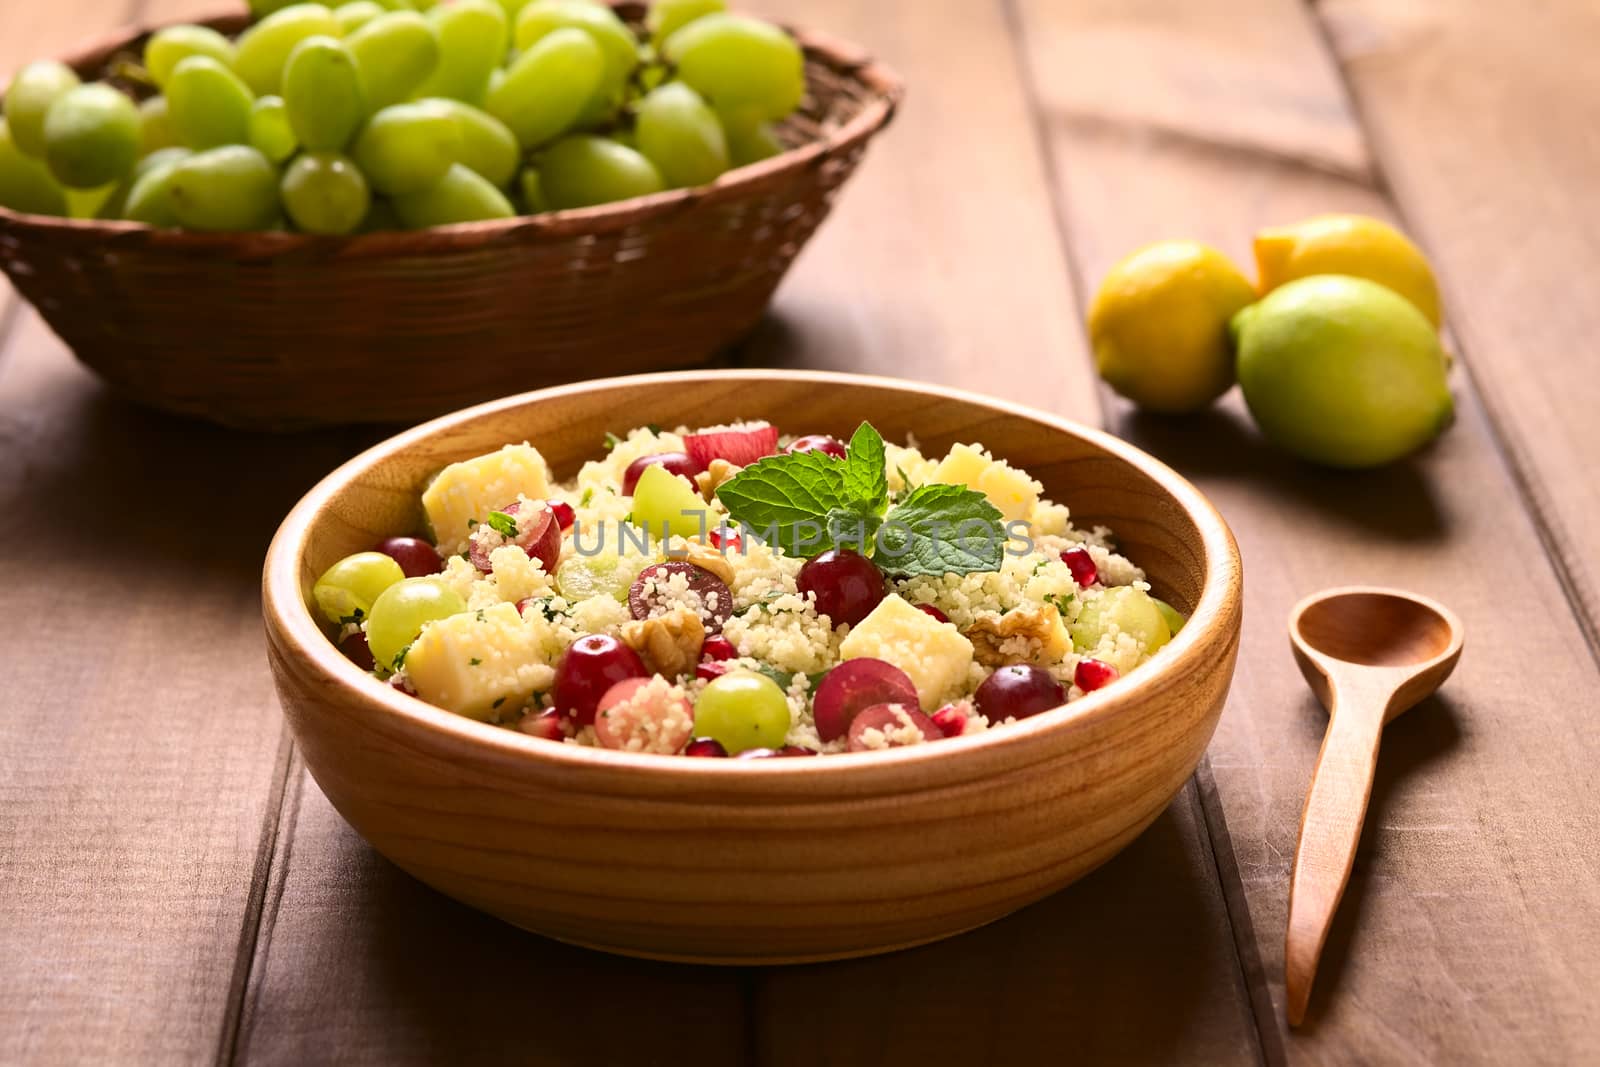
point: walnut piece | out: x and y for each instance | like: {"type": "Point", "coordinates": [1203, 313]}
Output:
{"type": "Point", "coordinates": [1024, 635]}
{"type": "Point", "coordinates": [706, 558]}
{"type": "Point", "coordinates": [669, 644]}
{"type": "Point", "coordinates": [713, 476]}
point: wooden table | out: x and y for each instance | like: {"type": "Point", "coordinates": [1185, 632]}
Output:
{"type": "Point", "coordinates": [174, 888]}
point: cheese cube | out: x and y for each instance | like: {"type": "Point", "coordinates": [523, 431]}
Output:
{"type": "Point", "coordinates": [932, 653]}
{"type": "Point", "coordinates": [1008, 489]}
{"type": "Point", "coordinates": [480, 662]}
{"type": "Point", "coordinates": [465, 493]}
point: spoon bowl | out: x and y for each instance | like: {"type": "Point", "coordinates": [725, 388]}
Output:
{"type": "Point", "coordinates": [1369, 654]}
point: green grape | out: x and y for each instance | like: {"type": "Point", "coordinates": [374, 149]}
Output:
{"type": "Point", "coordinates": [265, 47]}
{"type": "Point", "coordinates": [35, 87]}
{"type": "Point", "coordinates": [208, 104]}
{"type": "Point", "coordinates": [750, 142]}
{"type": "Point", "coordinates": [395, 53]}
{"type": "Point", "coordinates": [324, 192]}
{"type": "Point", "coordinates": [149, 198]}
{"type": "Point", "coordinates": [1125, 608]}
{"type": "Point", "coordinates": [472, 43]}
{"type": "Point", "coordinates": [487, 146]}
{"type": "Point", "coordinates": [581, 577]}
{"type": "Point", "coordinates": [233, 187]}
{"type": "Point", "coordinates": [545, 90]}
{"type": "Point", "coordinates": [346, 590]}
{"type": "Point", "coordinates": [681, 136]}
{"type": "Point", "coordinates": [270, 132]}
{"type": "Point", "coordinates": [90, 203]}
{"type": "Point", "coordinates": [322, 89]}
{"type": "Point", "coordinates": [25, 183]}
{"type": "Point", "coordinates": [462, 195]}
{"type": "Point", "coordinates": [356, 14]}
{"type": "Point", "coordinates": [583, 170]}
{"type": "Point", "coordinates": [667, 17]}
{"type": "Point", "coordinates": [171, 46]}
{"type": "Point", "coordinates": [407, 148]}
{"type": "Point", "coordinates": [743, 66]}
{"type": "Point", "coordinates": [402, 610]}
{"type": "Point", "coordinates": [260, 9]}
{"type": "Point", "coordinates": [543, 17]}
{"type": "Point", "coordinates": [91, 136]}
{"type": "Point", "coordinates": [155, 126]}
{"type": "Point", "coordinates": [742, 709]}
{"type": "Point", "coordinates": [381, 218]}
{"type": "Point", "coordinates": [1170, 615]}
{"type": "Point", "coordinates": [531, 186]}
{"type": "Point", "coordinates": [661, 498]}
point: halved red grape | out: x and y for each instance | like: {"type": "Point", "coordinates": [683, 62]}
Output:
{"type": "Point", "coordinates": [1081, 564]}
{"type": "Point", "coordinates": [705, 747]}
{"type": "Point", "coordinates": [675, 463]}
{"type": "Point", "coordinates": [565, 515]}
{"type": "Point", "coordinates": [797, 750]}
{"type": "Point", "coordinates": [886, 717]}
{"type": "Point", "coordinates": [817, 442]}
{"type": "Point", "coordinates": [930, 610]}
{"type": "Point", "coordinates": [1092, 674]}
{"type": "Point", "coordinates": [846, 584]}
{"type": "Point", "coordinates": [650, 597]}
{"type": "Point", "coordinates": [856, 684]}
{"type": "Point", "coordinates": [739, 447]}
{"type": "Point", "coordinates": [638, 717]}
{"type": "Point", "coordinates": [1018, 691]}
{"type": "Point", "coordinates": [545, 724]}
{"type": "Point", "coordinates": [593, 664]}
{"type": "Point", "coordinates": [416, 557]}
{"type": "Point", "coordinates": [356, 651]}
{"type": "Point", "coordinates": [537, 534]}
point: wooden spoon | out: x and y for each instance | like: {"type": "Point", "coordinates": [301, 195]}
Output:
{"type": "Point", "coordinates": [1369, 654]}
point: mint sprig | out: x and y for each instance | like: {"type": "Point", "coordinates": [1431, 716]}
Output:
{"type": "Point", "coordinates": [808, 503]}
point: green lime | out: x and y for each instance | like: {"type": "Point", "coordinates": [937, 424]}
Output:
{"type": "Point", "coordinates": [1342, 371]}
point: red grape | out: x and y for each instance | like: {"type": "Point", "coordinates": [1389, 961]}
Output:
{"type": "Point", "coordinates": [930, 610]}
{"type": "Point", "coordinates": [887, 717]}
{"type": "Point", "coordinates": [856, 684]}
{"type": "Point", "coordinates": [846, 584]}
{"type": "Point", "coordinates": [649, 595]}
{"type": "Point", "coordinates": [537, 535]}
{"type": "Point", "coordinates": [705, 747]}
{"type": "Point", "coordinates": [739, 447]}
{"type": "Point", "coordinates": [545, 724]}
{"type": "Point", "coordinates": [817, 442]}
{"type": "Point", "coordinates": [356, 651]}
{"type": "Point", "coordinates": [593, 664]}
{"type": "Point", "coordinates": [675, 463]}
{"type": "Point", "coordinates": [1018, 691]}
{"type": "Point", "coordinates": [416, 557]}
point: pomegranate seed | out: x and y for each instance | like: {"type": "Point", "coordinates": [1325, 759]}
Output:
{"type": "Point", "coordinates": [544, 724]}
{"type": "Point", "coordinates": [356, 651]}
{"type": "Point", "coordinates": [950, 720]}
{"type": "Point", "coordinates": [565, 516]}
{"type": "Point", "coordinates": [718, 647]}
{"type": "Point", "coordinates": [929, 609]}
{"type": "Point", "coordinates": [705, 747]}
{"type": "Point", "coordinates": [817, 442]}
{"type": "Point", "coordinates": [725, 539]}
{"type": "Point", "coordinates": [416, 557]}
{"type": "Point", "coordinates": [1081, 564]}
{"type": "Point", "coordinates": [1091, 674]}
{"type": "Point", "coordinates": [711, 670]}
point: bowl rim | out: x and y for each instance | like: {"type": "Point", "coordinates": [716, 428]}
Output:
{"type": "Point", "coordinates": [887, 91]}
{"type": "Point", "coordinates": [289, 618]}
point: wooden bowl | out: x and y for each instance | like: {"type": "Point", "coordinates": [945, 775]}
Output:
{"type": "Point", "coordinates": [279, 331]}
{"type": "Point", "coordinates": [735, 862]}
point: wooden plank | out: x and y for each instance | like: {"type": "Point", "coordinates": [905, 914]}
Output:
{"type": "Point", "coordinates": [941, 263]}
{"type": "Point", "coordinates": [1496, 173]}
{"type": "Point", "coordinates": [1469, 933]}
{"type": "Point", "coordinates": [144, 748]}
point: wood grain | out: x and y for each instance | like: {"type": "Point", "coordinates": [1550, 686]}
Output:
{"type": "Point", "coordinates": [1468, 933]}
{"type": "Point", "coordinates": [877, 851]}
{"type": "Point", "coordinates": [1495, 173]}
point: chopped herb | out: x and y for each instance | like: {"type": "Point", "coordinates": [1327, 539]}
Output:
{"type": "Point", "coordinates": [400, 657]}
{"type": "Point", "coordinates": [473, 524]}
{"type": "Point", "coordinates": [481, 616]}
{"type": "Point", "coordinates": [1041, 565]}
{"type": "Point", "coordinates": [474, 661]}
{"type": "Point", "coordinates": [352, 619]}
{"type": "Point", "coordinates": [588, 495]}
{"type": "Point", "coordinates": [612, 440]}
{"type": "Point", "coordinates": [503, 524]}
{"type": "Point", "coordinates": [498, 700]}
{"type": "Point", "coordinates": [1059, 601]}
{"type": "Point", "coordinates": [653, 428]}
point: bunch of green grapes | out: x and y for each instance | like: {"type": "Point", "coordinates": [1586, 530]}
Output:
{"type": "Point", "coordinates": [382, 114]}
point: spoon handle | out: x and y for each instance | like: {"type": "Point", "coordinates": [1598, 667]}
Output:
{"type": "Point", "coordinates": [1330, 829]}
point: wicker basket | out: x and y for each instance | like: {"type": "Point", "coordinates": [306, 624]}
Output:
{"type": "Point", "coordinates": [280, 331]}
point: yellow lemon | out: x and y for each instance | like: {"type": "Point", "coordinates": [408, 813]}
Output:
{"type": "Point", "coordinates": [1355, 245]}
{"type": "Point", "coordinates": [1342, 371]}
{"type": "Point", "coordinates": [1159, 325]}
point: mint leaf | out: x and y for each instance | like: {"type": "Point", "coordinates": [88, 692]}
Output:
{"type": "Point", "coordinates": [866, 481]}
{"type": "Point", "coordinates": [503, 524]}
{"type": "Point", "coordinates": [787, 499]}
{"type": "Point", "coordinates": [941, 529]}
